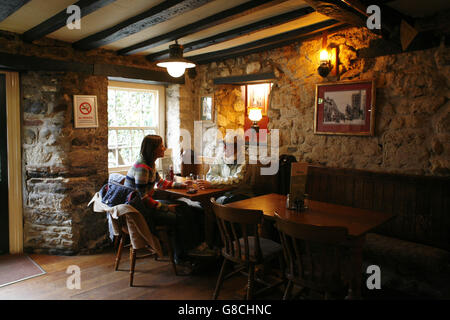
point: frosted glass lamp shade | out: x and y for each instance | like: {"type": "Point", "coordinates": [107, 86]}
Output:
{"type": "Point", "coordinates": [255, 114]}
{"type": "Point", "coordinates": [175, 68]}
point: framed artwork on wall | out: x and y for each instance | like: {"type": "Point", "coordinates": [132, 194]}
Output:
{"type": "Point", "coordinates": [85, 111]}
{"type": "Point", "coordinates": [258, 96]}
{"type": "Point", "coordinates": [345, 108]}
{"type": "Point", "coordinates": [207, 108]}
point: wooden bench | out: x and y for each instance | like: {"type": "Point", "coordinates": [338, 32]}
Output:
{"type": "Point", "coordinates": [412, 250]}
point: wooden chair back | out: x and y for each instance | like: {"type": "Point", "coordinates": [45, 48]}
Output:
{"type": "Point", "coordinates": [237, 225]}
{"type": "Point", "coordinates": [313, 254]}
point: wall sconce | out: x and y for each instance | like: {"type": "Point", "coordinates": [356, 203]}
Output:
{"type": "Point", "coordinates": [328, 58]}
{"type": "Point", "coordinates": [255, 114]}
{"type": "Point", "coordinates": [325, 63]}
{"type": "Point", "coordinates": [175, 64]}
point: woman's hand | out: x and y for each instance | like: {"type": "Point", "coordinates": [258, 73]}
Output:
{"type": "Point", "coordinates": [188, 184]}
{"type": "Point", "coordinates": [203, 184]}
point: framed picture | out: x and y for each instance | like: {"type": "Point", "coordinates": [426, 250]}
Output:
{"type": "Point", "coordinates": [345, 108]}
{"type": "Point", "coordinates": [85, 111]}
{"type": "Point", "coordinates": [207, 108]}
{"type": "Point", "coordinates": [258, 96]}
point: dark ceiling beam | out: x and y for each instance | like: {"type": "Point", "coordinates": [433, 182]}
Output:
{"type": "Point", "coordinates": [337, 9]}
{"type": "Point", "coordinates": [157, 14]}
{"type": "Point", "coordinates": [238, 32]}
{"type": "Point", "coordinates": [246, 78]}
{"type": "Point", "coordinates": [211, 21]}
{"type": "Point", "coordinates": [60, 19]}
{"type": "Point", "coordinates": [32, 63]}
{"type": "Point", "coordinates": [354, 13]}
{"type": "Point", "coordinates": [269, 43]}
{"type": "Point", "coordinates": [8, 7]}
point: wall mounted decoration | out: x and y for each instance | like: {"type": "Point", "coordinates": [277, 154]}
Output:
{"type": "Point", "coordinates": [258, 96]}
{"type": "Point", "coordinates": [345, 108]}
{"type": "Point", "coordinates": [85, 111]}
{"type": "Point", "coordinates": [207, 108]}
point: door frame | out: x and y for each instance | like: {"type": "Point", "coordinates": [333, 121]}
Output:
{"type": "Point", "coordinates": [13, 132]}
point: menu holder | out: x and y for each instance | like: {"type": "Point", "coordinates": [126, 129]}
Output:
{"type": "Point", "coordinates": [297, 188]}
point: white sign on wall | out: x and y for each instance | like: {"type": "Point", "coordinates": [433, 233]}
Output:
{"type": "Point", "coordinates": [85, 111]}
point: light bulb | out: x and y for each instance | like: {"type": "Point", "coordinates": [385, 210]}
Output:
{"type": "Point", "coordinates": [255, 114]}
{"type": "Point", "coordinates": [176, 69]}
{"type": "Point", "coordinates": [324, 57]}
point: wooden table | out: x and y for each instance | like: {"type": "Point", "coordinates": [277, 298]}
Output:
{"type": "Point", "coordinates": [357, 221]}
{"type": "Point", "coordinates": [203, 196]}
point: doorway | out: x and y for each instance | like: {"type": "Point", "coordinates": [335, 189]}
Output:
{"type": "Point", "coordinates": [4, 212]}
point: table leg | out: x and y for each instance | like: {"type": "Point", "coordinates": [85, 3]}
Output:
{"type": "Point", "coordinates": [356, 251]}
{"type": "Point", "coordinates": [210, 224]}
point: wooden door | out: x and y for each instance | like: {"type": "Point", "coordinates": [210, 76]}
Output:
{"type": "Point", "coordinates": [4, 225]}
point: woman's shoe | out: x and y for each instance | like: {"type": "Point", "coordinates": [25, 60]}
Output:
{"type": "Point", "coordinates": [186, 267]}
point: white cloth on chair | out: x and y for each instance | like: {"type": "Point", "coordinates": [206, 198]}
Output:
{"type": "Point", "coordinates": [138, 229]}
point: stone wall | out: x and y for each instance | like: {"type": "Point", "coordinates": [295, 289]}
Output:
{"type": "Point", "coordinates": [63, 166]}
{"type": "Point", "coordinates": [412, 131]}
{"type": "Point", "coordinates": [181, 112]}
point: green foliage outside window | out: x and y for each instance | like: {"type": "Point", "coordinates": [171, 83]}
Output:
{"type": "Point", "coordinates": [132, 114]}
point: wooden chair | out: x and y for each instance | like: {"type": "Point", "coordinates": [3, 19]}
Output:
{"type": "Point", "coordinates": [124, 235]}
{"type": "Point", "coordinates": [248, 249]}
{"type": "Point", "coordinates": [314, 258]}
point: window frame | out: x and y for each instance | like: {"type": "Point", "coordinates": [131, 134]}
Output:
{"type": "Point", "coordinates": [161, 100]}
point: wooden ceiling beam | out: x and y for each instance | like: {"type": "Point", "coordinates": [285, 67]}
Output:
{"type": "Point", "coordinates": [211, 21]}
{"type": "Point", "coordinates": [269, 43]}
{"type": "Point", "coordinates": [59, 20]}
{"type": "Point", "coordinates": [238, 32]}
{"type": "Point", "coordinates": [354, 13]}
{"type": "Point", "coordinates": [8, 7]}
{"type": "Point", "coordinates": [339, 10]}
{"type": "Point", "coordinates": [157, 14]}
{"type": "Point", "coordinates": [32, 63]}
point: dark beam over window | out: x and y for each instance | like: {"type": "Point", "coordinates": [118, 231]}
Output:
{"type": "Point", "coordinates": [268, 43]}
{"type": "Point", "coordinates": [8, 7]}
{"type": "Point", "coordinates": [22, 62]}
{"type": "Point", "coordinates": [203, 24]}
{"type": "Point", "coordinates": [238, 32]}
{"type": "Point", "coordinates": [60, 19]}
{"type": "Point", "coordinates": [157, 14]}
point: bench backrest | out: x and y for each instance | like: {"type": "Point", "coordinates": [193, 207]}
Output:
{"type": "Point", "coordinates": [421, 203]}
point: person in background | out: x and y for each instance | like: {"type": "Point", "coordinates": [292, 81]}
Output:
{"type": "Point", "coordinates": [227, 171]}
{"type": "Point", "coordinates": [143, 177]}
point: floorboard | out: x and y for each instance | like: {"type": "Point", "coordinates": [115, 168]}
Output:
{"type": "Point", "coordinates": [153, 280]}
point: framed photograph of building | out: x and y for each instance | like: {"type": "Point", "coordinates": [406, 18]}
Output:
{"type": "Point", "coordinates": [345, 108]}
{"type": "Point", "coordinates": [207, 108]}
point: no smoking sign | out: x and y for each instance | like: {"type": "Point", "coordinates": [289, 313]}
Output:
{"type": "Point", "coordinates": [85, 108]}
{"type": "Point", "coordinates": [85, 111]}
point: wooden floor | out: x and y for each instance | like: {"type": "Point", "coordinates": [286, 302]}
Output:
{"type": "Point", "coordinates": [153, 280]}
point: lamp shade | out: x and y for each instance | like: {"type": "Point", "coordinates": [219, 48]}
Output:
{"type": "Point", "coordinates": [324, 56]}
{"type": "Point", "coordinates": [175, 64]}
{"type": "Point", "coordinates": [255, 114]}
{"type": "Point", "coordinates": [175, 68]}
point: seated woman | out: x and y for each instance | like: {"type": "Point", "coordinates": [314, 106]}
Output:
{"type": "Point", "coordinates": [143, 177]}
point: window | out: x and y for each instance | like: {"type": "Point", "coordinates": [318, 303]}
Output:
{"type": "Point", "coordinates": [134, 110]}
